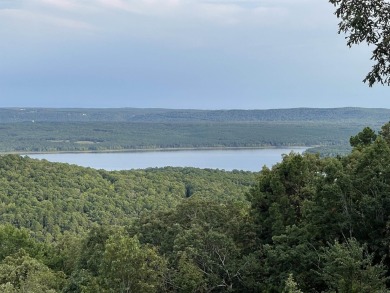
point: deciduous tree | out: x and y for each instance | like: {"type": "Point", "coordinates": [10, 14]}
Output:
{"type": "Point", "coordinates": [367, 21]}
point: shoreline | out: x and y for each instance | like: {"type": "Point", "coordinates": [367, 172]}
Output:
{"type": "Point", "coordinates": [152, 150]}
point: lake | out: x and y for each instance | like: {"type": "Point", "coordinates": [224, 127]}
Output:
{"type": "Point", "coordinates": [240, 159]}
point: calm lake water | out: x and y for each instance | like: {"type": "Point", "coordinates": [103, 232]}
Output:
{"type": "Point", "coordinates": [247, 159]}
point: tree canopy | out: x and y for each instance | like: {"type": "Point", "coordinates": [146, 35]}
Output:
{"type": "Point", "coordinates": [367, 21]}
{"type": "Point", "coordinates": [308, 224]}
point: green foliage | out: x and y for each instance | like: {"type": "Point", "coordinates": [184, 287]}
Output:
{"type": "Point", "coordinates": [21, 273]}
{"type": "Point", "coordinates": [112, 261]}
{"type": "Point", "coordinates": [368, 22]}
{"type": "Point", "coordinates": [91, 130]}
{"type": "Point", "coordinates": [385, 132]}
{"type": "Point", "coordinates": [291, 286]}
{"type": "Point", "coordinates": [129, 267]}
{"type": "Point", "coordinates": [308, 224]}
{"type": "Point", "coordinates": [332, 151]}
{"type": "Point", "coordinates": [13, 239]}
{"type": "Point", "coordinates": [213, 253]}
{"type": "Point", "coordinates": [348, 268]}
{"type": "Point", "coordinates": [344, 197]}
{"type": "Point", "coordinates": [93, 248]}
{"type": "Point", "coordinates": [49, 199]}
{"type": "Point", "coordinates": [122, 136]}
{"type": "Point", "coordinates": [363, 138]}
{"type": "Point", "coordinates": [278, 196]}
{"type": "Point", "coordinates": [134, 115]}
{"type": "Point", "coordinates": [188, 278]}
{"type": "Point", "coordinates": [205, 234]}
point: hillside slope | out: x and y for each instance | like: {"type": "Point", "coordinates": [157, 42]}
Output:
{"type": "Point", "coordinates": [51, 198]}
{"type": "Point", "coordinates": [80, 130]}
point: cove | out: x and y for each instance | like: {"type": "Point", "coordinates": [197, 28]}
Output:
{"type": "Point", "coordinates": [240, 159]}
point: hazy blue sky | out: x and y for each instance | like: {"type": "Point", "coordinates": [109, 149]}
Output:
{"type": "Point", "coordinates": [217, 54]}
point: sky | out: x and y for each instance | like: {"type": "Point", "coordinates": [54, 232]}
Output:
{"type": "Point", "coordinates": [206, 54]}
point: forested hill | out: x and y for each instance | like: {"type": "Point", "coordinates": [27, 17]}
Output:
{"type": "Point", "coordinates": [308, 224]}
{"type": "Point", "coordinates": [51, 198]}
{"type": "Point", "coordinates": [89, 130]}
{"type": "Point", "coordinates": [369, 116]}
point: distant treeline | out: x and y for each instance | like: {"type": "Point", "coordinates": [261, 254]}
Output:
{"type": "Point", "coordinates": [361, 116]}
{"type": "Point", "coordinates": [77, 130]}
{"type": "Point", "coordinates": [103, 136]}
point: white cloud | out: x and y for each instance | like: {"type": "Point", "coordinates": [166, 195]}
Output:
{"type": "Point", "coordinates": [62, 4]}
{"type": "Point", "coordinates": [30, 18]}
{"type": "Point", "coordinates": [175, 23]}
{"type": "Point", "coordinates": [217, 12]}
{"type": "Point", "coordinates": [144, 7]}
{"type": "Point", "coordinates": [258, 13]}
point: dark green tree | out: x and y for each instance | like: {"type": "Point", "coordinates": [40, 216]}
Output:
{"type": "Point", "coordinates": [128, 267]}
{"type": "Point", "coordinates": [278, 196]}
{"type": "Point", "coordinates": [385, 132]}
{"type": "Point", "coordinates": [370, 197]}
{"type": "Point", "coordinates": [363, 138]}
{"type": "Point", "coordinates": [329, 214]}
{"type": "Point", "coordinates": [13, 239]}
{"type": "Point", "coordinates": [188, 277]}
{"type": "Point", "coordinates": [348, 268]}
{"type": "Point", "coordinates": [86, 274]}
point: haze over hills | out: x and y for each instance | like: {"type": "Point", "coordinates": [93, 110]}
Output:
{"type": "Point", "coordinates": [122, 129]}
{"type": "Point", "coordinates": [364, 116]}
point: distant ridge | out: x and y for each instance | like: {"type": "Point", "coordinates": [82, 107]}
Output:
{"type": "Point", "coordinates": [124, 129]}
{"type": "Point", "coordinates": [349, 114]}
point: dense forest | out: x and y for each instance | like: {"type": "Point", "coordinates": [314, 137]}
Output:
{"type": "Point", "coordinates": [96, 136]}
{"type": "Point", "coordinates": [136, 115]}
{"type": "Point", "coordinates": [90, 130]}
{"type": "Point", "coordinates": [308, 224]}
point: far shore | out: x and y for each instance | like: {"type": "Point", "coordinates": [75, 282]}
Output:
{"type": "Point", "coordinates": [153, 150]}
